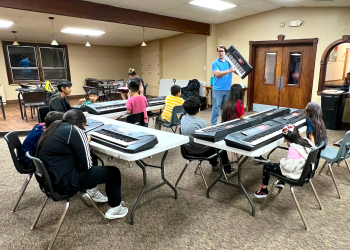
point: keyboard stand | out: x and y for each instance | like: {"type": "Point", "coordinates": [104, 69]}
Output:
{"type": "Point", "coordinates": [144, 190]}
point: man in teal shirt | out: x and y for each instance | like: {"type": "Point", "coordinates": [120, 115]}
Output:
{"type": "Point", "coordinates": [222, 71]}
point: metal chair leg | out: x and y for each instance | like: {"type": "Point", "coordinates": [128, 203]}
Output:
{"type": "Point", "coordinates": [195, 172]}
{"type": "Point", "coordinates": [97, 209]}
{"type": "Point", "coordinates": [200, 169]}
{"type": "Point", "coordinates": [130, 166]}
{"type": "Point", "coordinates": [300, 212]}
{"type": "Point", "coordinates": [59, 226]}
{"type": "Point", "coordinates": [39, 213]}
{"type": "Point", "coordinates": [347, 165]}
{"type": "Point", "coordinates": [183, 171]}
{"type": "Point", "coordinates": [223, 171]}
{"type": "Point", "coordinates": [81, 197]}
{"type": "Point", "coordinates": [314, 190]}
{"type": "Point", "coordinates": [24, 187]}
{"type": "Point", "coordinates": [322, 167]}
{"type": "Point", "coordinates": [335, 183]}
{"type": "Point", "coordinates": [31, 111]}
{"type": "Point", "coordinates": [267, 197]}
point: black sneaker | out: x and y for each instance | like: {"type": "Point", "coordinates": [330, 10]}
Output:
{"type": "Point", "coordinates": [280, 184]}
{"type": "Point", "coordinates": [229, 169]}
{"type": "Point", "coordinates": [261, 193]}
{"type": "Point", "coordinates": [261, 159]}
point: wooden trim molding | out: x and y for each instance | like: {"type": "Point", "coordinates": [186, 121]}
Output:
{"type": "Point", "coordinates": [279, 42]}
{"type": "Point", "coordinates": [107, 13]}
{"type": "Point", "coordinates": [325, 55]}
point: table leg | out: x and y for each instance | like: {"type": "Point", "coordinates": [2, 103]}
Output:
{"type": "Point", "coordinates": [20, 104]}
{"type": "Point", "coordinates": [242, 160]}
{"type": "Point", "coordinates": [144, 190]}
{"type": "Point", "coordinates": [207, 95]}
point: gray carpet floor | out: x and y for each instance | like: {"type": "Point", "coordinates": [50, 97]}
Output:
{"type": "Point", "coordinates": [192, 221]}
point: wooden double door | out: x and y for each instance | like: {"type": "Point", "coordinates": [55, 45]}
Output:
{"type": "Point", "coordinates": [283, 75]}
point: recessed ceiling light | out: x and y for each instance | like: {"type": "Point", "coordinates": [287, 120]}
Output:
{"type": "Point", "coordinates": [5, 24]}
{"type": "Point", "coordinates": [82, 32]}
{"type": "Point", "coordinates": [213, 4]}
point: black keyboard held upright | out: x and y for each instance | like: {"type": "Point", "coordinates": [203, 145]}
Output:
{"type": "Point", "coordinates": [218, 132]}
{"type": "Point", "coordinates": [123, 139]}
{"type": "Point", "coordinates": [237, 60]}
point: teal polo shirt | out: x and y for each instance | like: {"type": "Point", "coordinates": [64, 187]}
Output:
{"type": "Point", "coordinates": [221, 83]}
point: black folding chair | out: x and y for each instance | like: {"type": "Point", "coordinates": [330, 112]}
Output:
{"type": "Point", "coordinates": [33, 99]}
{"type": "Point", "coordinates": [137, 119]}
{"type": "Point", "coordinates": [42, 112]}
{"type": "Point", "coordinates": [47, 188]}
{"type": "Point", "coordinates": [14, 145]}
{"type": "Point", "coordinates": [2, 107]}
{"type": "Point", "coordinates": [306, 176]}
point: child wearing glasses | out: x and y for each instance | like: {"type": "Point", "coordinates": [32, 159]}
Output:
{"type": "Point", "coordinates": [293, 165]}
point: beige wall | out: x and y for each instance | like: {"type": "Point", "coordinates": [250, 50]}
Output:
{"type": "Point", "coordinates": [101, 62]}
{"type": "Point", "coordinates": [326, 24]}
{"type": "Point", "coordinates": [184, 57]}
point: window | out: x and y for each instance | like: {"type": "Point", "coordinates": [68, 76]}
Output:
{"type": "Point", "coordinates": [294, 68]}
{"type": "Point", "coordinates": [270, 68]}
{"type": "Point", "coordinates": [35, 62]}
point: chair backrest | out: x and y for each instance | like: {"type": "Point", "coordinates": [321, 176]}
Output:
{"type": "Point", "coordinates": [144, 88]}
{"type": "Point", "coordinates": [45, 182]}
{"type": "Point", "coordinates": [344, 149]}
{"type": "Point", "coordinates": [25, 86]}
{"type": "Point", "coordinates": [309, 167]}
{"type": "Point", "coordinates": [137, 119]}
{"type": "Point", "coordinates": [14, 145]}
{"type": "Point", "coordinates": [176, 115]}
{"type": "Point", "coordinates": [92, 82]}
{"type": "Point", "coordinates": [42, 112]}
{"type": "Point", "coordinates": [87, 89]}
{"type": "Point", "coordinates": [34, 97]}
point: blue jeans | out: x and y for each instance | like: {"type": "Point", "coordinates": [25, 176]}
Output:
{"type": "Point", "coordinates": [219, 98]}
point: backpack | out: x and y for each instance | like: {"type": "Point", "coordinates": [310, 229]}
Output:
{"type": "Point", "coordinates": [192, 89]}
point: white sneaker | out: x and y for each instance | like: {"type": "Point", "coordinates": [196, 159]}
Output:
{"type": "Point", "coordinates": [117, 212]}
{"type": "Point", "coordinates": [96, 195]}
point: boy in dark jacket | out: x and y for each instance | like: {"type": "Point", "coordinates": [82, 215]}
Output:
{"type": "Point", "coordinates": [58, 101]}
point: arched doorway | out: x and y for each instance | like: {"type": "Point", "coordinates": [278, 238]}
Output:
{"type": "Point", "coordinates": [328, 60]}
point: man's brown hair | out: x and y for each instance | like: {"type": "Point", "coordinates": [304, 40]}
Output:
{"type": "Point", "coordinates": [221, 47]}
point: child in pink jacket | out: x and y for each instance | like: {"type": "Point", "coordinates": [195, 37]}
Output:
{"type": "Point", "coordinates": [293, 165]}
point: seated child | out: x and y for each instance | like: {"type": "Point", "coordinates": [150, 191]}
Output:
{"type": "Point", "coordinates": [189, 124]}
{"type": "Point", "coordinates": [31, 141]}
{"type": "Point", "coordinates": [170, 101]}
{"type": "Point", "coordinates": [233, 108]}
{"type": "Point", "coordinates": [136, 103]}
{"type": "Point", "coordinates": [293, 165]}
{"type": "Point", "coordinates": [93, 98]}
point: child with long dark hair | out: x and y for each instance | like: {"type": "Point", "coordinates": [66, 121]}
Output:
{"type": "Point", "coordinates": [293, 165]}
{"type": "Point", "coordinates": [316, 130]}
{"type": "Point", "coordinates": [233, 108]}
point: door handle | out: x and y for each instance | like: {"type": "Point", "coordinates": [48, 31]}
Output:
{"type": "Point", "coordinates": [282, 82]}
{"type": "Point", "coordinates": [278, 82]}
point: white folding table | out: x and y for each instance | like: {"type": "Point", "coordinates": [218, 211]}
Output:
{"type": "Point", "coordinates": [166, 141]}
{"type": "Point", "coordinates": [244, 156]}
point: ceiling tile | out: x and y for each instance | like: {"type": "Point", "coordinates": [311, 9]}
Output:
{"type": "Point", "coordinates": [261, 6]}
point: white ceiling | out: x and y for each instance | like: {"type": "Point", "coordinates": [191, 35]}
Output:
{"type": "Point", "coordinates": [36, 27]}
{"type": "Point", "coordinates": [182, 8]}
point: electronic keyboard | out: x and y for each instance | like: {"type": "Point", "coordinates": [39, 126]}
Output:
{"type": "Point", "coordinates": [269, 114]}
{"type": "Point", "coordinates": [218, 132]}
{"type": "Point", "coordinates": [123, 139]}
{"type": "Point", "coordinates": [243, 68]}
{"type": "Point", "coordinates": [156, 101]}
{"type": "Point", "coordinates": [92, 124]}
{"type": "Point", "coordinates": [297, 118]}
{"type": "Point", "coordinates": [253, 138]}
{"type": "Point", "coordinates": [102, 108]}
